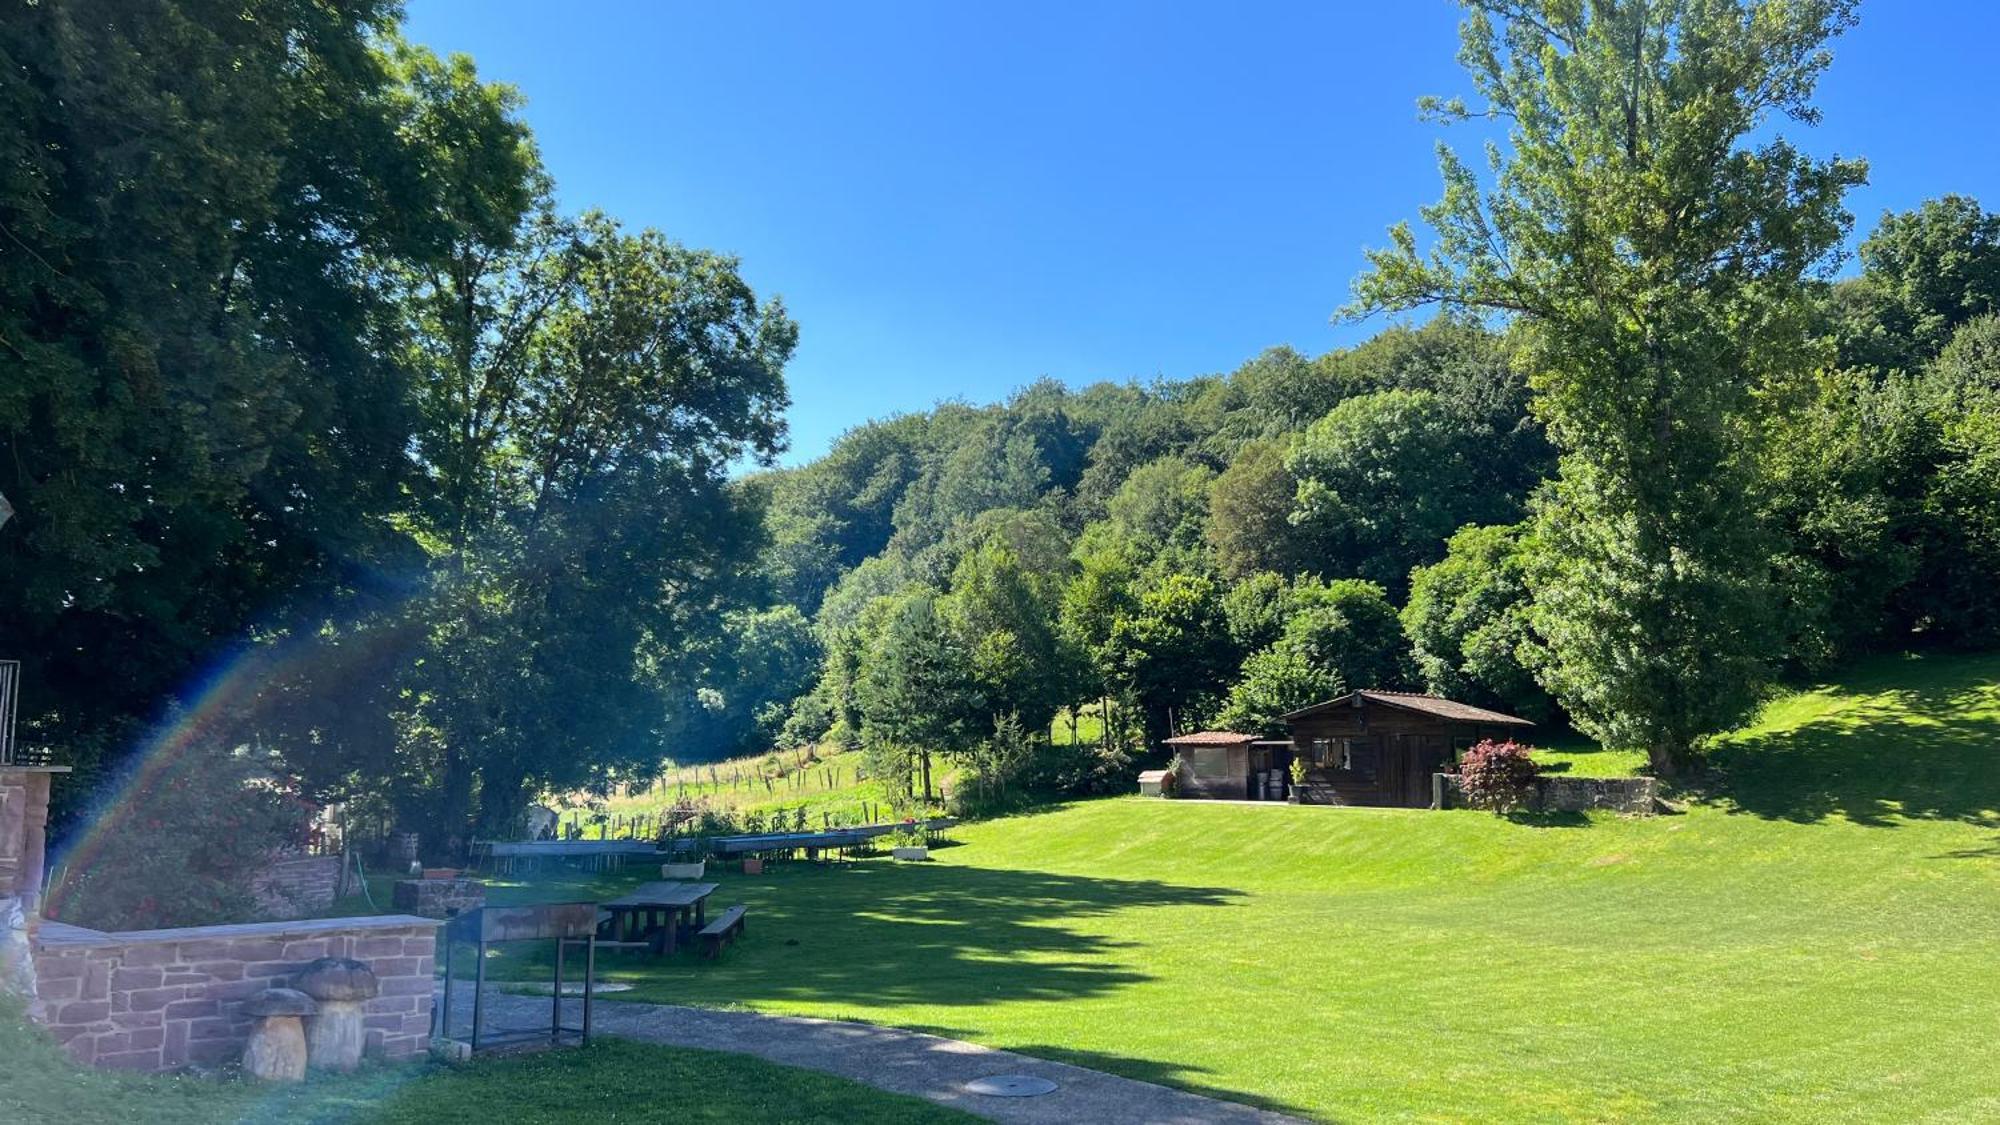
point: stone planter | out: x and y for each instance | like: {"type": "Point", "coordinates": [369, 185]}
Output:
{"type": "Point", "coordinates": [439, 898]}
{"type": "Point", "coordinates": [911, 853]}
{"type": "Point", "coordinates": [683, 870]}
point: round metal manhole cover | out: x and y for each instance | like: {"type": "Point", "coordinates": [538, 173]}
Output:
{"type": "Point", "coordinates": [1011, 1086]}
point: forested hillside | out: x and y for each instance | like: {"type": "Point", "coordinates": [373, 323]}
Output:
{"type": "Point", "coordinates": [341, 453]}
{"type": "Point", "coordinates": [1218, 550]}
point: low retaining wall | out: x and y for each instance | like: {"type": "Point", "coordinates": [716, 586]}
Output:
{"type": "Point", "coordinates": [299, 886]}
{"type": "Point", "coordinates": [1631, 795]}
{"type": "Point", "coordinates": [1634, 796]}
{"type": "Point", "coordinates": [159, 1000]}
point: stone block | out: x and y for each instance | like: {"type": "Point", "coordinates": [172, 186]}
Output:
{"type": "Point", "coordinates": [68, 966]}
{"type": "Point", "coordinates": [192, 1009]}
{"type": "Point", "coordinates": [220, 970]}
{"type": "Point", "coordinates": [147, 999]}
{"type": "Point", "coordinates": [370, 947]}
{"type": "Point", "coordinates": [148, 953]}
{"type": "Point", "coordinates": [386, 967]}
{"type": "Point", "coordinates": [128, 1060]}
{"type": "Point", "coordinates": [215, 1028]}
{"type": "Point", "coordinates": [83, 1011]}
{"type": "Point", "coordinates": [409, 986]}
{"type": "Point", "coordinates": [125, 979]}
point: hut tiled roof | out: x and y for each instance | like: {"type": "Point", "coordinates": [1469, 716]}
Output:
{"type": "Point", "coordinates": [1211, 738]}
{"type": "Point", "coordinates": [1439, 706]}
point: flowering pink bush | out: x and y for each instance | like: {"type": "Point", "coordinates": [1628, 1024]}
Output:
{"type": "Point", "coordinates": [1498, 775]}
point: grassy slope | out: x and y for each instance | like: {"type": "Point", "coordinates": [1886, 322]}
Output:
{"type": "Point", "coordinates": [611, 1081]}
{"type": "Point", "coordinates": [831, 785]}
{"type": "Point", "coordinates": [1817, 944]}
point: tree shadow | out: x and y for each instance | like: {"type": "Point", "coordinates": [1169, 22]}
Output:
{"type": "Point", "coordinates": [876, 933]}
{"type": "Point", "coordinates": [1177, 1076]}
{"type": "Point", "coordinates": [1918, 739]}
{"type": "Point", "coordinates": [1554, 818]}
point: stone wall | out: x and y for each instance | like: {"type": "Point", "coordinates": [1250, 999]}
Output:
{"type": "Point", "coordinates": [439, 898]}
{"type": "Point", "coordinates": [24, 809]}
{"type": "Point", "coordinates": [299, 886]}
{"type": "Point", "coordinates": [157, 1000]}
{"type": "Point", "coordinates": [1633, 796]}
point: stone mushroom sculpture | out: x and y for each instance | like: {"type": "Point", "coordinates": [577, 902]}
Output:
{"type": "Point", "coordinates": [277, 1047]}
{"type": "Point", "coordinates": [342, 988]}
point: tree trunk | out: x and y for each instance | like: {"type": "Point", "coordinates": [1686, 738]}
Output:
{"type": "Point", "coordinates": [1664, 760]}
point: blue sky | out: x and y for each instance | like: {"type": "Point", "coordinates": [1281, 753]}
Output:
{"type": "Point", "coordinates": [956, 199]}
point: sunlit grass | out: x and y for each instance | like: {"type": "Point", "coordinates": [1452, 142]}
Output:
{"type": "Point", "coordinates": [1812, 940]}
{"type": "Point", "coordinates": [612, 1080]}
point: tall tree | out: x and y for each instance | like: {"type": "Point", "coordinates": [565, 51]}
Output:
{"type": "Point", "coordinates": [1648, 236]}
{"type": "Point", "coordinates": [201, 427]}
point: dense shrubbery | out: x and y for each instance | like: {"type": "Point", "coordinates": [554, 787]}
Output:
{"type": "Point", "coordinates": [183, 844]}
{"type": "Point", "coordinates": [1498, 775]}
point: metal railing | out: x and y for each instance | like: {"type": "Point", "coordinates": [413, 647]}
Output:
{"type": "Point", "coordinates": [12, 753]}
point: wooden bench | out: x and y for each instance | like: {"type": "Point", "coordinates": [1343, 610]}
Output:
{"type": "Point", "coordinates": [727, 926]}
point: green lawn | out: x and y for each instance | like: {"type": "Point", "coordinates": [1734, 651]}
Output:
{"type": "Point", "coordinates": [612, 1080]}
{"type": "Point", "coordinates": [1813, 940]}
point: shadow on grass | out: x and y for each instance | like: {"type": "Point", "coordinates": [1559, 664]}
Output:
{"type": "Point", "coordinates": [1178, 1076]}
{"type": "Point", "coordinates": [1919, 738]}
{"type": "Point", "coordinates": [876, 933]}
{"type": "Point", "coordinates": [1563, 818]}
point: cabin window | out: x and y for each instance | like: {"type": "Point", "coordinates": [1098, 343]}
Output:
{"type": "Point", "coordinates": [1359, 755]}
{"type": "Point", "coordinates": [1321, 751]}
{"type": "Point", "coordinates": [1208, 761]}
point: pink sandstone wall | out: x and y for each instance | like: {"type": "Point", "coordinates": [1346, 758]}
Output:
{"type": "Point", "coordinates": [162, 999]}
{"type": "Point", "coordinates": [299, 886]}
{"type": "Point", "coordinates": [24, 809]}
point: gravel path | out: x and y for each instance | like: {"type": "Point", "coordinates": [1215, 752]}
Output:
{"type": "Point", "coordinates": [904, 1062]}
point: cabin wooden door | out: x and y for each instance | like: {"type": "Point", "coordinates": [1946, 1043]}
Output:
{"type": "Point", "coordinates": [1428, 755]}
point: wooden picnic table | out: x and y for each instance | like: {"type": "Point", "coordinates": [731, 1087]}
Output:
{"type": "Point", "coordinates": [653, 914]}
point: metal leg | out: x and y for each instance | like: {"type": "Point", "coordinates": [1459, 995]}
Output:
{"type": "Point", "coordinates": [589, 980]}
{"type": "Point", "coordinates": [443, 1020]}
{"type": "Point", "coordinates": [478, 992]}
{"type": "Point", "coordinates": [555, 1003]}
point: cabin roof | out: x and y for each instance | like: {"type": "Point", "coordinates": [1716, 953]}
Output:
{"type": "Point", "coordinates": [1212, 738]}
{"type": "Point", "coordinates": [1436, 706]}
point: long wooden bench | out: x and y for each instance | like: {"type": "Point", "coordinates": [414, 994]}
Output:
{"type": "Point", "coordinates": [727, 926]}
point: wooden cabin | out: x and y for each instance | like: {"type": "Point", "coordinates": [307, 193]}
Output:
{"type": "Point", "coordinates": [1381, 747]}
{"type": "Point", "coordinates": [1364, 748]}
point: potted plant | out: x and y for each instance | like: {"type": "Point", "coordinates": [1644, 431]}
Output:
{"type": "Point", "coordinates": [908, 844]}
{"type": "Point", "coordinates": [1298, 779]}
